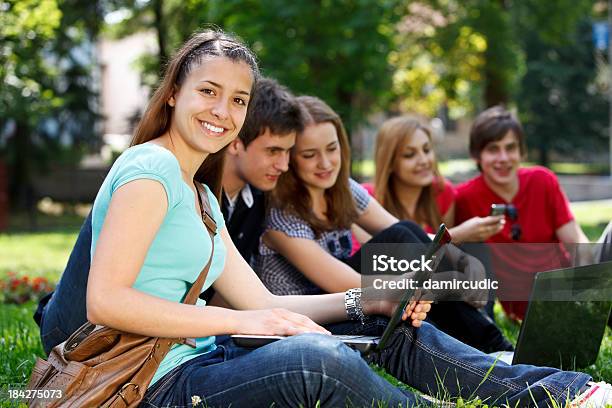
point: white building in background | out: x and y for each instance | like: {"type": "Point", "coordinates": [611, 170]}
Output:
{"type": "Point", "coordinates": [121, 93]}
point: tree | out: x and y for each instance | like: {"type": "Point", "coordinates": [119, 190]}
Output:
{"type": "Point", "coordinates": [26, 96]}
{"type": "Point", "coordinates": [334, 49]}
{"type": "Point", "coordinates": [46, 104]}
{"type": "Point", "coordinates": [477, 53]}
{"type": "Point", "coordinates": [437, 59]}
{"type": "Point", "coordinates": [562, 108]}
{"type": "Point", "coordinates": [463, 53]}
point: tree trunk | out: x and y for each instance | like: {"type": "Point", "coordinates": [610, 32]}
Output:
{"type": "Point", "coordinates": [20, 176]}
{"type": "Point", "coordinates": [160, 28]}
{"type": "Point", "coordinates": [496, 92]}
{"type": "Point", "coordinates": [496, 89]}
{"type": "Point", "coordinates": [544, 157]}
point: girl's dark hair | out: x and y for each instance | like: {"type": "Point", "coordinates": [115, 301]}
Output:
{"type": "Point", "coordinates": [291, 195]}
{"type": "Point", "coordinates": [157, 116]}
{"type": "Point", "coordinates": [272, 107]}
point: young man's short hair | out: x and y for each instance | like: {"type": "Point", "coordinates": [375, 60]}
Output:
{"type": "Point", "coordinates": [492, 125]}
{"type": "Point", "coordinates": [272, 107]}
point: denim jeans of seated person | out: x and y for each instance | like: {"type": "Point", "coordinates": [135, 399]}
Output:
{"type": "Point", "coordinates": [64, 312]}
{"type": "Point", "coordinates": [313, 368]}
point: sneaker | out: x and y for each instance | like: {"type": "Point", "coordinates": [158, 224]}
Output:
{"type": "Point", "coordinates": [598, 395]}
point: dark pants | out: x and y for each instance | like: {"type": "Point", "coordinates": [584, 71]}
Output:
{"type": "Point", "coordinates": [462, 321]}
{"type": "Point", "coordinates": [61, 313]}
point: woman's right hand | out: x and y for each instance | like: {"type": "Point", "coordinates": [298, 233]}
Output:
{"type": "Point", "coordinates": [478, 229]}
{"type": "Point", "coordinates": [276, 322]}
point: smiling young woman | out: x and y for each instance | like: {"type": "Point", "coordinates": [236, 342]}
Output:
{"type": "Point", "coordinates": [407, 181]}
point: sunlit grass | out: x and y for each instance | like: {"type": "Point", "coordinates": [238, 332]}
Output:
{"type": "Point", "coordinates": [366, 168]}
{"type": "Point", "coordinates": [46, 253]}
{"type": "Point", "coordinates": [593, 212]}
{"type": "Point", "coordinates": [36, 253]}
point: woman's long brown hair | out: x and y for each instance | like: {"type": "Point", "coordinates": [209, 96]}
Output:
{"type": "Point", "coordinates": [291, 194]}
{"type": "Point", "coordinates": [391, 136]}
{"type": "Point", "coordinates": [157, 117]}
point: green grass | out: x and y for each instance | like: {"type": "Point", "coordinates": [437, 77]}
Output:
{"type": "Point", "coordinates": [365, 168]}
{"type": "Point", "coordinates": [592, 212]}
{"type": "Point", "coordinates": [19, 343]}
{"type": "Point", "coordinates": [36, 253]}
{"type": "Point", "coordinates": [580, 168]}
{"type": "Point", "coordinates": [600, 371]}
{"type": "Point", "coordinates": [593, 216]}
{"type": "Point", "coordinates": [45, 254]}
{"type": "Point", "coordinates": [19, 347]}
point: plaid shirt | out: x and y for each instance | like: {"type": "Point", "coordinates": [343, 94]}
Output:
{"type": "Point", "coordinates": [280, 276]}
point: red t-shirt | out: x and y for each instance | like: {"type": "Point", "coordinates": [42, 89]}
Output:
{"type": "Point", "coordinates": [445, 197]}
{"type": "Point", "coordinates": [542, 208]}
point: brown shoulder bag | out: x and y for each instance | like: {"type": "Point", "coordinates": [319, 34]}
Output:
{"type": "Point", "coordinates": [102, 367]}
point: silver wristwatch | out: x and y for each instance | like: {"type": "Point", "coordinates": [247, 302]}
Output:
{"type": "Point", "coordinates": [352, 303]}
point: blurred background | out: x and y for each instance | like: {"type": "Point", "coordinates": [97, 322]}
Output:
{"type": "Point", "coordinates": [75, 76]}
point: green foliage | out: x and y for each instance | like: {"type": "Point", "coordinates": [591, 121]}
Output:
{"type": "Point", "coordinates": [562, 108]}
{"type": "Point", "coordinates": [463, 53]}
{"type": "Point", "coordinates": [334, 49]}
{"type": "Point", "coordinates": [502, 56]}
{"type": "Point", "coordinates": [46, 100]}
{"type": "Point", "coordinates": [19, 344]}
{"type": "Point", "coordinates": [554, 25]}
{"type": "Point", "coordinates": [25, 29]}
{"type": "Point", "coordinates": [437, 59]}
{"type": "Point", "coordinates": [477, 53]}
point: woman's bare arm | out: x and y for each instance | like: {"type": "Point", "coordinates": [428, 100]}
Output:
{"type": "Point", "coordinates": [241, 287]}
{"type": "Point", "coordinates": [120, 253]}
{"type": "Point", "coordinates": [375, 218]}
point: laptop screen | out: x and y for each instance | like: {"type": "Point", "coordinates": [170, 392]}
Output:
{"type": "Point", "coordinates": [442, 237]}
{"type": "Point", "coordinates": [566, 318]}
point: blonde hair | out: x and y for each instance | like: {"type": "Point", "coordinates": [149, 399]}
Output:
{"type": "Point", "coordinates": [392, 135]}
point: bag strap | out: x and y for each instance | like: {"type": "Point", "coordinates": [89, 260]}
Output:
{"type": "Point", "coordinates": [211, 226]}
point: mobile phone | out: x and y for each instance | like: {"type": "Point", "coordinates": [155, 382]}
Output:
{"type": "Point", "coordinates": [498, 209]}
{"type": "Point", "coordinates": [442, 237]}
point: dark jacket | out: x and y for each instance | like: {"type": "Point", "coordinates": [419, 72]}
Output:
{"type": "Point", "coordinates": [246, 224]}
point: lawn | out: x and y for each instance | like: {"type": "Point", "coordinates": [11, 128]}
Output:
{"type": "Point", "coordinates": [366, 168]}
{"type": "Point", "coordinates": [45, 254]}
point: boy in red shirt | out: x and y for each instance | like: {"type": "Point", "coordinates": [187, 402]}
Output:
{"type": "Point", "coordinates": [537, 209]}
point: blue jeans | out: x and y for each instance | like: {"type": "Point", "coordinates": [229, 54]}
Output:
{"type": "Point", "coordinates": [311, 368]}
{"type": "Point", "coordinates": [65, 311]}
{"type": "Point", "coordinates": [459, 319]}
